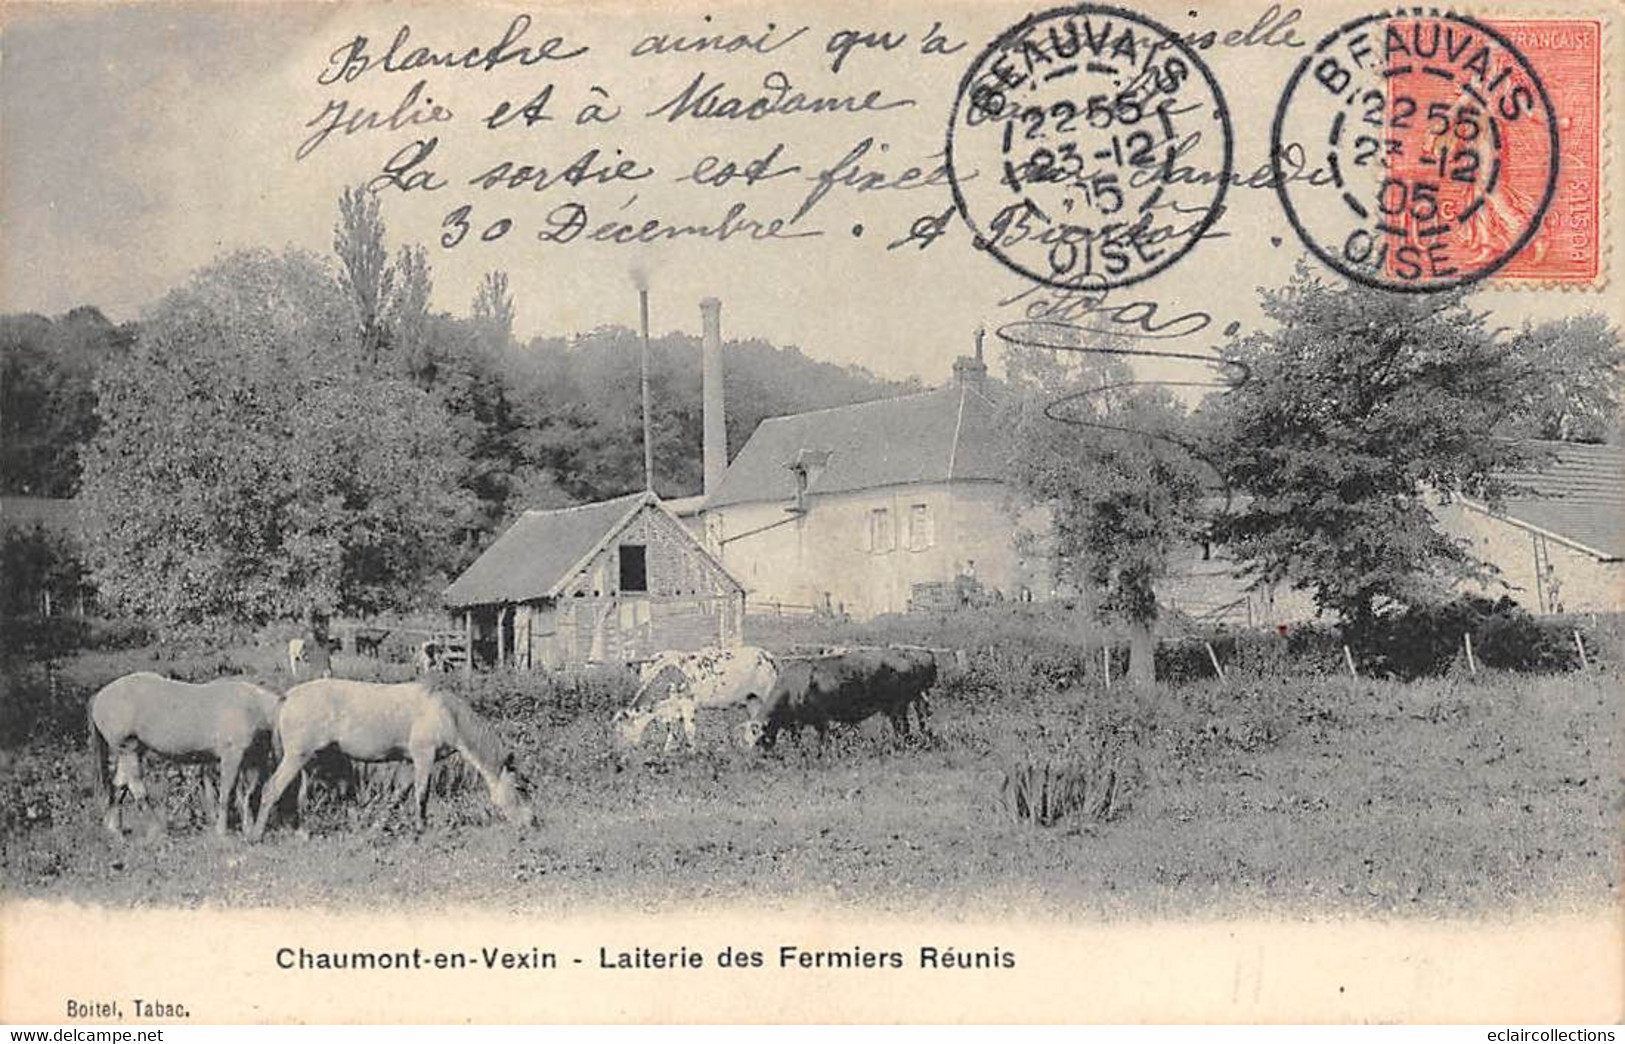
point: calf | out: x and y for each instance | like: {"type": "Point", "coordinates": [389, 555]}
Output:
{"type": "Point", "coordinates": [849, 687]}
{"type": "Point", "coordinates": [674, 685]}
{"type": "Point", "coordinates": [309, 657]}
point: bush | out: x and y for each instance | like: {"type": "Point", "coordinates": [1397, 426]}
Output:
{"type": "Point", "coordinates": [1428, 640]}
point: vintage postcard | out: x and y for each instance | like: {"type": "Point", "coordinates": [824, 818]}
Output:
{"type": "Point", "coordinates": [825, 512]}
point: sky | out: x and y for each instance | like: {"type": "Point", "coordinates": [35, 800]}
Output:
{"type": "Point", "coordinates": [139, 142]}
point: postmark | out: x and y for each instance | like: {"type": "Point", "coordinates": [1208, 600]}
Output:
{"type": "Point", "coordinates": [1066, 142]}
{"type": "Point", "coordinates": [1442, 142]}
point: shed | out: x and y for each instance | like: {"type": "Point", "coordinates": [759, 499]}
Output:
{"type": "Point", "coordinates": [614, 581]}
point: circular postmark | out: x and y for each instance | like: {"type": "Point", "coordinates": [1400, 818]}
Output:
{"type": "Point", "coordinates": [1439, 144]}
{"type": "Point", "coordinates": [1089, 146]}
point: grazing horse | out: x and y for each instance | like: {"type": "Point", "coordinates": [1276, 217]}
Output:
{"type": "Point", "coordinates": [674, 685]}
{"type": "Point", "coordinates": [371, 722]}
{"type": "Point", "coordinates": [228, 720]}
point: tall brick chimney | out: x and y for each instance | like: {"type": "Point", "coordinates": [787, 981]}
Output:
{"type": "Point", "coordinates": [972, 371]}
{"type": "Point", "coordinates": [716, 430]}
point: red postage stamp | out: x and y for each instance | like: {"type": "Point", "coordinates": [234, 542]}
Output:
{"type": "Point", "coordinates": [1458, 149]}
{"type": "Point", "coordinates": [1567, 248]}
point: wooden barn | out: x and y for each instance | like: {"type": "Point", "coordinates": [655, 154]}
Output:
{"type": "Point", "coordinates": [614, 581]}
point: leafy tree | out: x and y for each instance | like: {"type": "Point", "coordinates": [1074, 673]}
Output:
{"type": "Point", "coordinates": [493, 308]}
{"type": "Point", "coordinates": [367, 276]}
{"type": "Point", "coordinates": [1571, 390]}
{"type": "Point", "coordinates": [578, 410]}
{"type": "Point", "coordinates": [1123, 491]}
{"type": "Point", "coordinates": [245, 471]}
{"type": "Point", "coordinates": [48, 398]}
{"type": "Point", "coordinates": [407, 314]}
{"type": "Point", "coordinates": [40, 565]}
{"type": "Point", "coordinates": [1361, 404]}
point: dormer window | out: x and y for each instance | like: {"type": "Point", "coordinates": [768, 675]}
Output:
{"type": "Point", "coordinates": [804, 471]}
{"type": "Point", "coordinates": [798, 472]}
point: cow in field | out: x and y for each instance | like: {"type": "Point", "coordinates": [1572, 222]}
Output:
{"type": "Point", "coordinates": [675, 685]}
{"type": "Point", "coordinates": [309, 657]}
{"type": "Point", "coordinates": [847, 687]}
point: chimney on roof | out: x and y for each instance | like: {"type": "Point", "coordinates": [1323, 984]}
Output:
{"type": "Point", "coordinates": [972, 371]}
{"type": "Point", "coordinates": [714, 415]}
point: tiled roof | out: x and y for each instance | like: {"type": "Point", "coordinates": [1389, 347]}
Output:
{"type": "Point", "coordinates": [950, 433]}
{"type": "Point", "coordinates": [539, 552]}
{"type": "Point", "coordinates": [1578, 497]}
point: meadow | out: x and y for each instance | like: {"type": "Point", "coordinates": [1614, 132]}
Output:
{"type": "Point", "coordinates": [1284, 788]}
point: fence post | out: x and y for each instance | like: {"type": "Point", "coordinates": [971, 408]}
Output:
{"type": "Point", "coordinates": [1467, 639]}
{"type": "Point", "coordinates": [1214, 657]}
{"type": "Point", "coordinates": [1106, 661]}
{"type": "Point", "coordinates": [1348, 658]}
{"type": "Point", "coordinates": [1585, 664]}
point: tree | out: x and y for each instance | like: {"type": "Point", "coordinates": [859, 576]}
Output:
{"type": "Point", "coordinates": [407, 314]}
{"type": "Point", "coordinates": [367, 276]}
{"type": "Point", "coordinates": [48, 397]}
{"type": "Point", "coordinates": [1359, 406]}
{"type": "Point", "coordinates": [245, 470]}
{"type": "Point", "coordinates": [1123, 491]}
{"type": "Point", "coordinates": [493, 309]}
{"type": "Point", "coordinates": [1572, 388]}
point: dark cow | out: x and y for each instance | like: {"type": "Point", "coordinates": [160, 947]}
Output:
{"type": "Point", "coordinates": [846, 687]}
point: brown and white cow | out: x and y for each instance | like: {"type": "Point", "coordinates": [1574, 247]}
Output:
{"type": "Point", "coordinates": [675, 685]}
{"type": "Point", "coordinates": [847, 687]}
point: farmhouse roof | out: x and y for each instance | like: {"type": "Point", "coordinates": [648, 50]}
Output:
{"type": "Point", "coordinates": [543, 550]}
{"type": "Point", "coordinates": [1577, 498]}
{"type": "Point", "coordinates": [937, 436]}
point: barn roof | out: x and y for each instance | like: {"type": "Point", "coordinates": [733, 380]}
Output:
{"type": "Point", "coordinates": [543, 550]}
{"type": "Point", "coordinates": [1577, 498]}
{"type": "Point", "coordinates": [936, 436]}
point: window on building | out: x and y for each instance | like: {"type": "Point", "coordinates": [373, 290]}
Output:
{"type": "Point", "coordinates": [881, 539]}
{"type": "Point", "coordinates": [634, 568]}
{"type": "Point", "coordinates": [920, 535]}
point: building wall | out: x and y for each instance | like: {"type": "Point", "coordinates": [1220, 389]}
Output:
{"type": "Point", "coordinates": [1576, 582]}
{"type": "Point", "coordinates": [622, 628]}
{"type": "Point", "coordinates": [826, 557]}
{"type": "Point", "coordinates": [690, 602]}
{"type": "Point", "coordinates": [1209, 590]}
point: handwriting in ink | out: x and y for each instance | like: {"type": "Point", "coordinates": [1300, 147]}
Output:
{"type": "Point", "coordinates": [568, 222]}
{"type": "Point", "coordinates": [935, 43]}
{"type": "Point", "coordinates": [597, 110]}
{"type": "Point", "coordinates": [590, 168]}
{"type": "Point", "coordinates": [408, 169]}
{"type": "Point", "coordinates": [926, 229]}
{"type": "Point", "coordinates": [351, 60]}
{"type": "Point", "coordinates": [1085, 309]}
{"type": "Point", "coordinates": [532, 112]}
{"type": "Point", "coordinates": [720, 43]}
{"type": "Point", "coordinates": [848, 172]}
{"type": "Point", "coordinates": [779, 97]}
{"type": "Point", "coordinates": [339, 117]}
{"type": "Point", "coordinates": [1273, 29]}
{"type": "Point", "coordinates": [843, 42]}
{"type": "Point", "coordinates": [716, 172]}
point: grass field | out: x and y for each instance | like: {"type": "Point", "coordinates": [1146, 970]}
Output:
{"type": "Point", "coordinates": [1312, 795]}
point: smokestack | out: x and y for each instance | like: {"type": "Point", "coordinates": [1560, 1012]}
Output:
{"type": "Point", "coordinates": [648, 427]}
{"type": "Point", "coordinates": [972, 370]}
{"type": "Point", "coordinates": [716, 430]}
